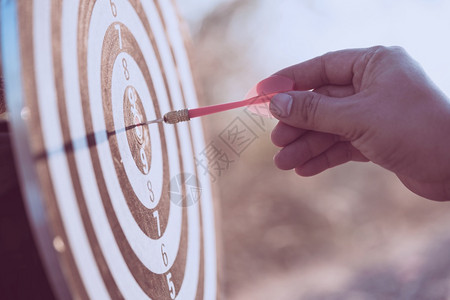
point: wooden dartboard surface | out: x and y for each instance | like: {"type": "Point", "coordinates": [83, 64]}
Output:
{"type": "Point", "coordinates": [106, 201]}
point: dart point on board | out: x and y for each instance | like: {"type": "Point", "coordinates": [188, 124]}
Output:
{"type": "Point", "coordinates": [172, 117]}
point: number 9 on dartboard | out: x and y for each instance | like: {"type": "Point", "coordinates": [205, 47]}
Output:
{"type": "Point", "coordinates": [110, 203]}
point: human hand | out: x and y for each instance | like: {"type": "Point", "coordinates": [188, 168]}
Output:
{"type": "Point", "coordinates": [373, 104]}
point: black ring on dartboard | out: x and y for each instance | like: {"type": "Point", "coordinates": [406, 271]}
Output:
{"type": "Point", "coordinates": [145, 278]}
{"type": "Point", "coordinates": [110, 52]}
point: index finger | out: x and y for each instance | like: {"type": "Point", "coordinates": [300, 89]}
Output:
{"type": "Point", "coordinates": [332, 68]}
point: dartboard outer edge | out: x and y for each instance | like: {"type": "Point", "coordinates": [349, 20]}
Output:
{"type": "Point", "coordinates": [11, 51]}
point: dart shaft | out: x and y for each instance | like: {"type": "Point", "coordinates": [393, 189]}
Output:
{"type": "Point", "coordinates": [212, 109]}
{"type": "Point", "coordinates": [182, 115]}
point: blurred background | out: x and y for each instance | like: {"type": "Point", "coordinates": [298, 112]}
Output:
{"type": "Point", "coordinates": [353, 232]}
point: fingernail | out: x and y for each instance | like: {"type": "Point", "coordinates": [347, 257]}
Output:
{"type": "Point", "coordinates": [281, 105]}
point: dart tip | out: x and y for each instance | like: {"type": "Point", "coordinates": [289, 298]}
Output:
{"type": "Point", "coordinates": [171, 117]}
{"type": "Point", "coordinates": [148, 122]}
{"type": "Point", "coordinates": [160, 120]}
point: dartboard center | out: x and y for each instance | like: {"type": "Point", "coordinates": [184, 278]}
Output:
{"type": "Point", "coordinates": [138, 135]}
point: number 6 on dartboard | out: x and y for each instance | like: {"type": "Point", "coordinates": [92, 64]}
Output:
{"type": "Point", "coordinates": [113, 8]}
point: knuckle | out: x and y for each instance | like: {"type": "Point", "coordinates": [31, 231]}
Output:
{"type": "Point", "coordinates": [397, 49]}
{"type": "Point", "coordinates": [348, 152]}
{"type": "Point", "coordinates": [307, 110]}
{"type": "Point", "coordinates": [382, 52]}
{"type": "Point", "coordinates": [377, 53]}
{"type": "Point", "coordinates": [382, 56]}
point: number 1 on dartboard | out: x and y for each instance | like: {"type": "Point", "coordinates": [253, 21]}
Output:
{"type": "Point", "coordinates": [119, 32]}
{"type": "Point", "coordinates": [156, 216]}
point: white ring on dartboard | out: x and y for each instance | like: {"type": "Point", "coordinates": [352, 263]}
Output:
{"type": "Point", "coordinates": [171, 17]}
{"type": "Point", "coordinates": [139, 182]}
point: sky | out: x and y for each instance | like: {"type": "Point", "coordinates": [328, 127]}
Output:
{"type": "Point", "coordinates": [286, 32]}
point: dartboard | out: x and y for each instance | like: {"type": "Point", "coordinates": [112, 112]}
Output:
{"type": "Point", "coordinates": [117, 210]}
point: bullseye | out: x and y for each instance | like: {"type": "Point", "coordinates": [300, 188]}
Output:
{"type": "Point", "coordinates": [138, 137]}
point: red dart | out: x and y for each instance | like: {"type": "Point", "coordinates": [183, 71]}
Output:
{"type": "Point", "coordinates": [259, 94]}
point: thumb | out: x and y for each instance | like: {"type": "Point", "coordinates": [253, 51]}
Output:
{"type": "Point", "coordinates": [313, 111]}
